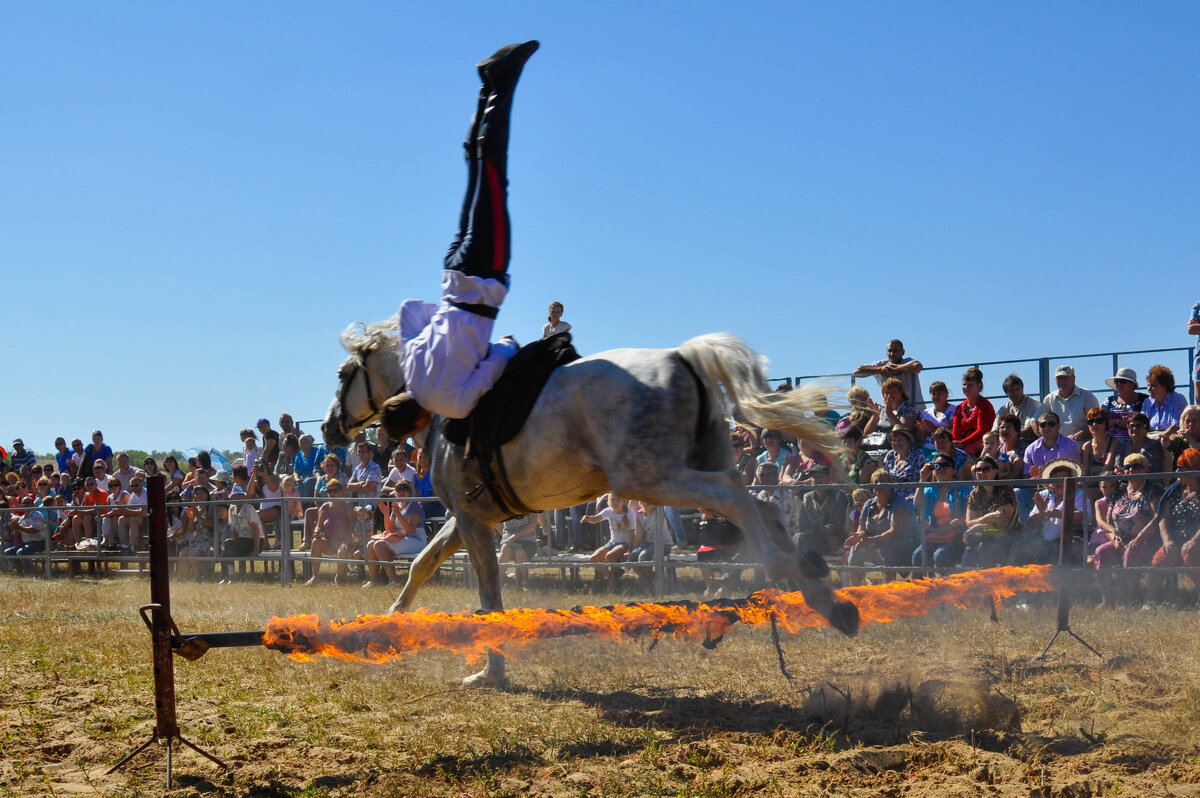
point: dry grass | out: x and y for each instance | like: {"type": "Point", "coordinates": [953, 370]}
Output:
{"type": "Point", "coordinates": [946, 705]}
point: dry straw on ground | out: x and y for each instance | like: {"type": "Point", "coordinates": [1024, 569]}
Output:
{"type": "Point", "coordinates": [950, 704]}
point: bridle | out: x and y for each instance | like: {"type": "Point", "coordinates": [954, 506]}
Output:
{"type": "Point", "coordinates": [344, 390]}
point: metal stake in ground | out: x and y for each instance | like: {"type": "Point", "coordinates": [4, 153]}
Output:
{"type": "Point", "coordinates": [1064, 588]}
{"type": "Point", "coordinates": [157, 615]}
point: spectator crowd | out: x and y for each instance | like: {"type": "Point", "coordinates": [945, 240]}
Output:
{"type": "Point", "coordinates": [891, 497]}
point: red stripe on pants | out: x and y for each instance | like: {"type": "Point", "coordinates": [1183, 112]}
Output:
{"type": "Point", "coordinates": [499, 220]}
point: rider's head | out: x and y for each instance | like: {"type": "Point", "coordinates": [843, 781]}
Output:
{"type": "Point", "coordinates": [402, 416]}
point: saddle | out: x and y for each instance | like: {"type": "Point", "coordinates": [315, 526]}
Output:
{"type": "Point", "coordinates": [502, 412]}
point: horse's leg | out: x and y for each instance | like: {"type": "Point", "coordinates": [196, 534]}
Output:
{"type": "Point", "coordinates": [723, 491]}
{"type": "Point", "coordinates": [426, 564]}
{"type": "Point", "coordinates": [477, 537]}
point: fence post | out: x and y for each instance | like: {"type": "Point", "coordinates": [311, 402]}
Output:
{"type": "Point", "coordinates": [285, 531]}
{"type": "Point", "coordinates": [285, 545]}
{"type": "Point", "coordinates": [1043, 377]}
{"type": "Point", "coordinates": [660, 560]}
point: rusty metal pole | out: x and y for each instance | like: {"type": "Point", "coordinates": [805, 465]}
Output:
{"type": "Point", "coordinates": [162, 631]}
{"type": "Point", "coordinates": [1064, 563]}
{"type": "Point", "coordinates": [160, 618]}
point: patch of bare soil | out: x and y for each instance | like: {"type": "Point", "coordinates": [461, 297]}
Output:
{"type": "Point", "coordinates": [946, 705]}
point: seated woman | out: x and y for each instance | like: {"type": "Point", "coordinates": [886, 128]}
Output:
{"type": "Point", "coordinates": [331, 536]}
{"type": "Point", "coordinates": [903, 463]}
{"type": "Point", "coordinates": [898, 410]}
{"type": "Point", "coordinates": [108, 518]}
{"type": "Point", "coordinates": [720, 541]}
{"type": "Point", "coordinates": [993, 523]}
{"type": "Point", "coordinates": [943, 443]}
{"type": "Point", "coordinates": [1103, 452]}
{"type": "Point", "coordinates": [884, 536]}
{"type": "Point", "coordinates": [518, 543]}
{"type": "Point", "coordinates": [305, 465]}
{"type": "Point", "coordinates": [1165, 405]}
{"type": "Point", "coordinates": [174, 475]}
{"type": "Point", "coordinates": [939, 413]}
{"type": "Point", "coordinates": [857, 464]}
{"type": "Point", "coordinates": [1122, 405]}
{"type": "Point", "coordinates": [1141, 443]}
{"type": "Point", "coordinates": [1189, 428]}
{"type": "Point", "coordinates": [798, 467]}
{"type": "Point", "coordinates": [622, 535]}
{"type": "Point", "coordinates": [403, 535]}
{"type": "Point", "coordinates": [265, 484]}
{"type": "Point", "coordinates": [863, 414]}
{"type": "Point", "coordinates": [974, 415]}
{"type": "Point", "coordinates": [1177, 524]}
{"type": "Point", "coordinates": [1012, 447]}
{"type": "Point", "coordinates": [196, 535]}
{"type": "Point", "coordinates": [331, 470]}
{"type": "Point", "coordinates": [773, 451]}
{"type": "Point", "coordinates": [944, 510]}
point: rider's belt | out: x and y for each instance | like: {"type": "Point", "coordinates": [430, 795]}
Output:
{"type": "Point", "coordinates": [487, 311]}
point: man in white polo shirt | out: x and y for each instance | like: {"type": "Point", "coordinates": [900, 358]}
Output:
{"type": "Point", "coordinates": [1070, 403]}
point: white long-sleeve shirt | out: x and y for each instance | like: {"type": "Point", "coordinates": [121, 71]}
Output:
{"type": "Point", "coordinates": [447, 357]}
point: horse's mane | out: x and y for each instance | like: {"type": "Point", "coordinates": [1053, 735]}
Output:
{"type": "Point", "coordinates": [361, 338]}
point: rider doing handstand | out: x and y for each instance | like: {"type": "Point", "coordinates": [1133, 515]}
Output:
{"type": "Point", "coordinates": [446, 356]}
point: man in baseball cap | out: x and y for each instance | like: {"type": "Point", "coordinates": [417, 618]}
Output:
{"type": "Point", "coordinates": [1070, 403]}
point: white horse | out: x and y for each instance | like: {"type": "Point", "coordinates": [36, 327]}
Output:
{"type": "Point", "coordinates": [648, 424]}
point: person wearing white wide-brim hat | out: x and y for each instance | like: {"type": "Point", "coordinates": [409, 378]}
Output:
{"type": "Point", "coordinates": [1124, 404]}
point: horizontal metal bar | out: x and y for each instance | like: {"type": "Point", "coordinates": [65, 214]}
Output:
{"type": "Point", "coordinates": [226, 639]}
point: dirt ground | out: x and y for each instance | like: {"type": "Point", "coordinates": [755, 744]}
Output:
{"type": "Point", "coordinates": [946, 705]}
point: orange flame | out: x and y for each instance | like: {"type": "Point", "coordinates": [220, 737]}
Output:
{"type": "Point", "coordinates": [379, 638]}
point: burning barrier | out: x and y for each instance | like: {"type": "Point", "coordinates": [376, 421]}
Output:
{"type": "Point", "coordinates": [380, 638]}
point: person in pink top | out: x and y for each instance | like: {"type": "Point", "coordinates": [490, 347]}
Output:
{"type": "Point", "coordinates": [974, 416]}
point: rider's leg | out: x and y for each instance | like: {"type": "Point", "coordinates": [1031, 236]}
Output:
{"type": "Point", "coordinates": [481, 247]}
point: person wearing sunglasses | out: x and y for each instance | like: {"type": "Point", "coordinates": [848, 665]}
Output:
{"type": "Point", "coordinates": [993, 521]}
{"type": "Point", "coordinates": [1051, 445]}
{"type": "Point", "coordinates": [1140, 442]}
{"type": "Point", "coordinates": [1103, 453]}
{"type": "Point", "coordinates": [944, 509]}
{"type": "Point", "coordinates": [1122, 405]}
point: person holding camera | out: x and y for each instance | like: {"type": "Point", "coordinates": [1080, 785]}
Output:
{"type": "Point", "coordinates": [265, 484]}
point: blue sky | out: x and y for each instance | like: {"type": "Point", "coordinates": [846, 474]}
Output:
{"type": "Point", "coordinates": [199, 197]}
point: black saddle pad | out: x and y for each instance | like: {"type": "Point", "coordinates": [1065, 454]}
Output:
{"type": "Point", "coordinates": [502, 411]}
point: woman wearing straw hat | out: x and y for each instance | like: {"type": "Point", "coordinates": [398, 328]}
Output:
{"type": "Point", "coordinates": [1122, 405]}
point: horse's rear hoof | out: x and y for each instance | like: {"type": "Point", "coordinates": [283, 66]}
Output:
{"type": "Point", "coordinates": [844, 618]}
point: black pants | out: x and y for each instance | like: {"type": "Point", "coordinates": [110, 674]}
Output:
{"type": "Point", "coordinates": [481, 247]}
{"type": "Point", "coordinates": [234, 547]}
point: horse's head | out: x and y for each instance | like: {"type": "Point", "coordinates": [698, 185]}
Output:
{"type": "Point", "coordinates": [367, 377]}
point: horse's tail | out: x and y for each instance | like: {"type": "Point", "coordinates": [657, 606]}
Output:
{"type": "Point", "coordinates": [728, 362]}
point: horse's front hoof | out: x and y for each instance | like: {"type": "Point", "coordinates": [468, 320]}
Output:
{"type": "Point", "coordinates": [843, 616]}
{"type": "Point", "coordinates": [486, 679]}
{"type": "Point", "coordinates": [813, 565]}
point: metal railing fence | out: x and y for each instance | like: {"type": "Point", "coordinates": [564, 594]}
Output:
{"type": "Point", "coordinates": [285, 528]}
